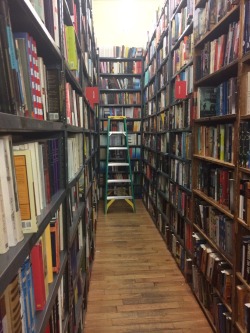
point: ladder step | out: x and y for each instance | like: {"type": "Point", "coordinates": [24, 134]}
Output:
{"type": "Point", "coordinates": [118, 164]}
{"type": "Point", "coordinates": [117, 132]}
{"type": "Point", "coordinates": [117, 197]}
{"type": "Point", "coordinates": [119, 181]}
{"type": "Point", "coordinates": [118, 148]}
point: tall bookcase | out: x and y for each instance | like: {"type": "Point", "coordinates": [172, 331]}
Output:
{"type": "Point", "coordinates": [120, 87]}
{"type": "Point", "coordinates": [167, 126]}
{"type": "Point", "coordinates": [48, 58]}
{"type": "Point", "coordinates": [196, 150]}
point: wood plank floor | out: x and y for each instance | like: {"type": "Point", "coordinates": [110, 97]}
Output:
{"type": "Point", "coordinates": [136, 285]}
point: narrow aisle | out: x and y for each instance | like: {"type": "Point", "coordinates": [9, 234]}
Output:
{"type": "Point", "coordinates": [136, 285]}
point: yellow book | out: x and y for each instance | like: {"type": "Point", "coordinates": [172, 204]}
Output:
{"type": "Point", "coordinates": [47, 247]}
{"type": "Point", "coordinates": [25, 189]}
{"type": "Point", "coordinates": [71, 47]}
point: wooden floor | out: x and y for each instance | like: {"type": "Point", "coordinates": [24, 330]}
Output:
{"type": "Point", "coordinates": [136, 285]}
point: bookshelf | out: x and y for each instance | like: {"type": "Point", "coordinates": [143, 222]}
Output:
{"type": "Point", "coordinates": [196, 149]}
{"type": "Point", "coordinates": [167, 128]}
{"type": "Point", "coordinates": [47, 121]}
{"type": "Point", "coordinates": [120, 87]}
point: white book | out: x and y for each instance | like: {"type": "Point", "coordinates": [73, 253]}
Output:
{"type": "Point", "coordinates": [4, 244]}
{"type": "Point", "coordinates": [10, 197]}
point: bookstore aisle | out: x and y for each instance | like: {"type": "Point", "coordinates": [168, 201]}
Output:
{"type": "Point", "coordinates": [136, 285]}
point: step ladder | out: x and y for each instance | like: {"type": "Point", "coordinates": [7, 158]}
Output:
{"type": "Point", "coordinates": [119, 182]}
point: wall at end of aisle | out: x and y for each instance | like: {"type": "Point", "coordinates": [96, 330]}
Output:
{"type": "Point", "coordinates": [124, 22]}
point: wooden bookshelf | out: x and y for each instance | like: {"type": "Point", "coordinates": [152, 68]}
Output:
{"type": "Point", "coordinates": [219, 181]}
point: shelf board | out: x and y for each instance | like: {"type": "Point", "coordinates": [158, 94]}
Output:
{"type": "Point", "coordinates": [220, 75]}
{"type": "Point", "coordinates": [11, 261]}
{"type": "Point", "coordinates": [225, 210]}
{"type": "Point", "coordinates": [214, 161]}
{"type": "Point", "coordinates": [217, 119]}
{"type": "Point", "coordinates": [13, 123]}
{"type": "Point", "coordinates": [244, 170]}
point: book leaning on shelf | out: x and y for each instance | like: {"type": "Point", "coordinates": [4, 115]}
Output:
{"type": "Point", "coordinates": [10, 218]}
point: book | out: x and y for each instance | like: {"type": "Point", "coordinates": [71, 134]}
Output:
{"type": "Point", "coordinates": [55, 242]}
{"type": "Point", "coordinates": [10, 197]}
{"type": "Point", "coordinates": [38, 274]}
{"type": "Point", "coordinates": [47, 247]}
{"type": "Point", "coordinates": [70, 40]}
{"type": "Point", "coordinates": [4, 243]}
{"type": "Point", "coordinates": [25, 187]}
{"type": "Point", "coordinates": [206, 102]}
{"type": "Point", "coordinates": [13, 306]}
{"type": "Point", "coordinates": [53, 93]}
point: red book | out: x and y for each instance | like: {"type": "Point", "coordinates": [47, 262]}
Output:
{"type": "Point", "coordinates": [38, 275]}
{"type": "Point", "coordinates": [92, 95]}
{"type": "Point", "coordinates": [180, 89]}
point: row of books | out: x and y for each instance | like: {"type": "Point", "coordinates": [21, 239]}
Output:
{"type": "Point", "coordinates": [120, 67]}
{"type": "Point", "coordinates": [119, 83]}
{"type": "Point", "coordinates": [29, 177]}
{"type": "Point", "coordinates": [150, 158]}
{"type": "Point", "coordinates": [216, 141]}
{"type": "Point", "coordinates": [150, 72]}
{"type": "Point", "coordinates": [163, 77]}
{"type": "Point", "coordinates": [180, 115]}
{"type": "Point", "coordinates": [244, 144]}
{"type": "Point", "coordinates": [150, 91]}
{"type": "Point", "coordinates": [181, 145]}
{"type": "Point", "coordinates": [186, 76]}
{"type": "Point", "coordinates": [173, 5]}
{"type": "Point", "coordinates": [121, 51]}
{"type": "Point", "coordinates": [181, 173]}
{"type": "Point", "coordinates": [149, 124]}
{"type": "Point", "coordinates": [75, 154]}
{"type": "Point", "coordinates": [176, 222]}
{"type": "Point", "coordinates": [179, 23]}
{"type": "Point", "coordinates": [150, 108]}
{"type": "Point", "coordinates": [129, 112]}
{"type": "Point", "coordinates": [243, 299]}
{"type": "Point", "coordinates": [207, 17]}
{"type": "Point", "coordinates": [244, 200]}
{"type": "Point", "coordinates": [184, 54]}
{"type": "Point", "coordinates": [180, 199]}
{"type": "Point", "coordinates": [162, 143]}
{"type": "Point", "coordinates": [219, 52]}
{"type": "Point", "coordinates": [76, 108]}
{"type": "Point", "coordinates": [217, 183]}
{"type": "Point", "coordinates": [29, 290]}
{"type": "Point", "coordinates": [120, 98]}
{"type": "Point", "coordinates": [217, 226]}
{"type": "Point", "coordinates": [163, 50]}
{"type": "Point", "coordinates": [217, 101]}
{"type": "Point", "coordinates": [149, 141]}
{"type": "Point", "coordinates": [220, 316]}
{"type": "Point", "coordinates": [212, 267]}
